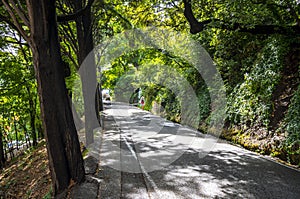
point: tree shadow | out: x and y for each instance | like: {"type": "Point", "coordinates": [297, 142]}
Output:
{"type": "Point", "coordinates": [167, 165]}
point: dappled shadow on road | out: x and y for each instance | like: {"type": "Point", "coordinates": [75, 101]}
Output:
{"type": "Point", "coordinates": [227, 174]}
{"type": "Point", "coordinates": [177, 162]}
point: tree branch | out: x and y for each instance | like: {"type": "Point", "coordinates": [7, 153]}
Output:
{"type": "Point", "coordinates": [196, 26]}
{"type": "Point", "coordinates": [20, 13]}
{"type": "Point", "coordinates": [9, 22]}
{"type": "Point", "coordinates": [69, 36]}
{"type": "Point", "coordinates": [23, 50]}
{"type": "Point", "coordinates": [16, 42]}
{"type": "Point", "coordinates": [128, 23]}
{"type": "Point", "coordinates": [67, 52]}
{"type": "Point", "coordinates": [293, 13]}
{"type": "Point", "coordinates": [74, 16]}
{"type": "Point", "coordinates": [16, 23]}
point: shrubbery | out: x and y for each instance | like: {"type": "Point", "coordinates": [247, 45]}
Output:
{"type": "Point", "coordinates": [250, 103]}
{"type": "Point", "coordinates": [292, 143]}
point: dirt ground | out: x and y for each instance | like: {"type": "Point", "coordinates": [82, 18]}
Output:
{"type": "Point", "coordinates": [27, 176]}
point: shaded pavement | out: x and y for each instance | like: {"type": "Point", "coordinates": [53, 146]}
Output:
{"type": "Point", "coordinates": [139, 155]}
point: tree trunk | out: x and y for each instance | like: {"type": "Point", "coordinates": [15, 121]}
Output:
{"type": "Point", "coordinates": [32, 125]}
{"type": "Point", "coordinates": [99, 103]}
{"type": "Point", "coordinates": [27, 138]}
{"type": "Point", "coordinates": [87, 71]}
{"type": "Point", "coordinates": [16, 133]}
{"type": "Point", "coordinates": [39, 127]}
{"type": "Point", "coordinates": [2, 157]}
{"type": "Point", "coordinates": [32, 113]}
{"type": "Point", "coordinates": [63, 147]}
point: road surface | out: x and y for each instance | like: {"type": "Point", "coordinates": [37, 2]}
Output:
{"type": "Point", "coordinates": [145, 156]}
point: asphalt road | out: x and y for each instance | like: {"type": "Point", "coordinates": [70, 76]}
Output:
{"type": "Point", "coordinates": [145, 156]}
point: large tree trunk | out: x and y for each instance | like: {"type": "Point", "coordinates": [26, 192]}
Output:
{"type": "Point", "coordinates": [65, 158]}
{"type": "Point", "coordinates": [87, 70]}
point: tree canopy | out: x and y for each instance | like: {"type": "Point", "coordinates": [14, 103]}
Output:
{"type": "Point", "coordinates": [254, 45]}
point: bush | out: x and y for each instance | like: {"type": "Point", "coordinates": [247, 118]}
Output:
{"type": "Point", "coordinates": [292, 143]}
{"type": "Point", "coordinates": [250, 103]}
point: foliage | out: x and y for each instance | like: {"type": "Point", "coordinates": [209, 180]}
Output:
{"type": "Point", "coordinates": [158, 74]}
{"type": "Point", "coordinates": [251, 65]}
{"type": "Point", "coordinates": [250, 103]}
{"type": "Point", "coordinates": [18, 98]}
{"type": "Point", "coordinates": [292, 143]}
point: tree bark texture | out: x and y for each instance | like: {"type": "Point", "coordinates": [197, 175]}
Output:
{"type": "Point", "coordinates": [87, 69]}
{"type": "Point", "coordinates": [63, 147]}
